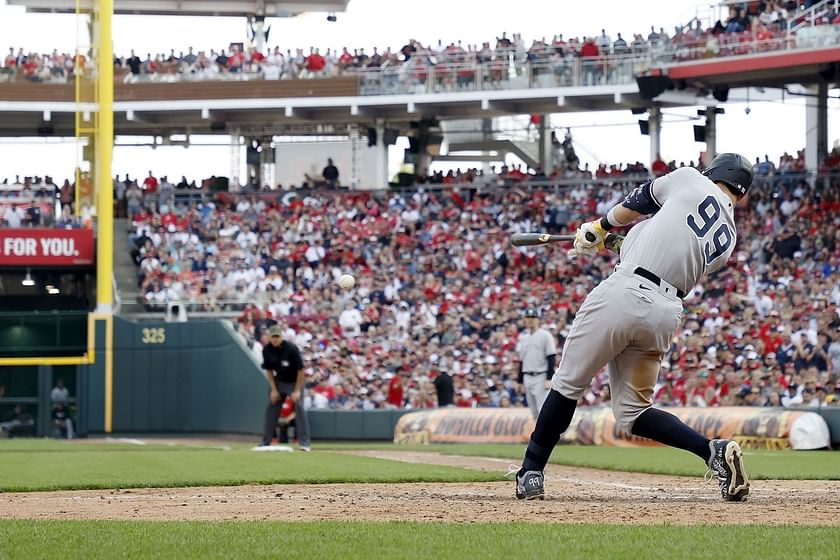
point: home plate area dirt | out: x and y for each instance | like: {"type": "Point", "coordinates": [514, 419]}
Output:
{"type": "Point", "coordinates": [574, 495]}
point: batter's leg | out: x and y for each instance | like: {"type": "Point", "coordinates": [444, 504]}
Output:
{"type": "Point", "coordinates": [633, 374]}
{"type": "Point", "coordinates": [596, 337]}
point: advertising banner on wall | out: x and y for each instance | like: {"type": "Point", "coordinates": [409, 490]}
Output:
{"type": "Point", "coordinates": [46, 247]}
{"type": "Point", "coordinates": [754, 428]}
{"type": "Point", "coordinates": [465, 425]}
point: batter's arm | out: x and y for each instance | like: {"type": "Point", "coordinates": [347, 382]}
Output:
{"type": "Point", "coordinates": [641, 202]}
{"type": "Point", "coordinates": [638, 203]}
{"type": "Point", "coordinates": [619, 216]}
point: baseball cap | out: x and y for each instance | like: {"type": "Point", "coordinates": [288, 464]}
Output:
{"type": "Point", "coordinates": [275, 330]}
{"type": "Point", "coordinates": [531, 312]}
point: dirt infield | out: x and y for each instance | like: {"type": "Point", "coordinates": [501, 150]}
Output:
{"type": "Point", "coordinates": [573, 495]}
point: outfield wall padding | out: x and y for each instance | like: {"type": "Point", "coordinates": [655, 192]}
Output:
{"type": "Point", "coordinates": [184, 377]}
{"type": "Point", "coordinates": [354, 424]}
{"type": "Point", "coordinates": [757, 428]}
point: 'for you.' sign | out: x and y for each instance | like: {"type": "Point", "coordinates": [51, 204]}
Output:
{"type": "Point", "coordinates": [33, 247]}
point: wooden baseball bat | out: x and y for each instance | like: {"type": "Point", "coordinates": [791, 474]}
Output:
{"type": "Point", "coordinates": [612, 242]}
{"type": "Point", "coordinates": [526, 239]}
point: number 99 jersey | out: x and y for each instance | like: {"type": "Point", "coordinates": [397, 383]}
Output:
{"type": "Point", "coordinates": [691, 233]}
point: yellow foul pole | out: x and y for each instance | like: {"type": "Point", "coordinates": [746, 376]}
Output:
{"type": "Point", "coordinates": [105, 192]}
{"type": "Point", "coordinates": [104, 151]}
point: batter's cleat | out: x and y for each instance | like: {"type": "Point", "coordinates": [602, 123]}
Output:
{"type": "Point", "coordinates": [727, 465]}
{"type": "Point", "coordinates": [529, 484]}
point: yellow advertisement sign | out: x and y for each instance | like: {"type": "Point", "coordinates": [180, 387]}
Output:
{"type": "Point", "coordinates": [764, 428]}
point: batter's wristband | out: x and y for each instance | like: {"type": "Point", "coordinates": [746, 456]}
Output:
{"type": "Point", "coordinates": [605, 224]}
{"type": "Point", "coordinates": [612, 219]}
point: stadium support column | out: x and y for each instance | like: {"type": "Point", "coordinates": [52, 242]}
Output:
{"type": "Point", "coordinates": [381, 175]}
{"type": "Point", "coordinates": [104, 151]}
{"type": "Point", "coordinates": [816, 126]}
{"type": "Point", "coordinates": [259, 33]}
{"type": "Point", "coordinates": [711, 135]}
{"type": "Point", "coordinates": [655, 133]}
{"type": "Point", "coordinates": [545, 144]}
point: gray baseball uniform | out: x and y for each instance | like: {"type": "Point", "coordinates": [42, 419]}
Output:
{"type": "Point", "coordinates": [628, 321]}
{"type": "Point", "coordinates": [534, 347]}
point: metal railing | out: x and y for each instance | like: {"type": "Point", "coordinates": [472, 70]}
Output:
{"type": "Point", "coordinates": [808, 18]}
{"type": "Point", "coordinates": [427, 73]}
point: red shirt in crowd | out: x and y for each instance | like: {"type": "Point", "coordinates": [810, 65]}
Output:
{"type": "Point", "coordinates": [315, 62]}
{"type": "Point", "coordinates": [395, 391]}
{"type": "Point", "coordinates": [150, 184]}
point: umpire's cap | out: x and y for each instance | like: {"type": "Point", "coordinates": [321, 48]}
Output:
{"type": "Point", "coordinates": [732, 169]}
{"type": "Point", "coordinates": [531, 312]}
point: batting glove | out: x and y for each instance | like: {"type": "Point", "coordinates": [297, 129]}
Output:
{"type": "Point", "coordinates": [581, 251]}
{"type": "Point", "coordinates": [590, 234]}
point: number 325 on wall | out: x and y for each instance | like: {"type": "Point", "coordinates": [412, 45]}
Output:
{"type": "Point", "coordinates": [154, 335]}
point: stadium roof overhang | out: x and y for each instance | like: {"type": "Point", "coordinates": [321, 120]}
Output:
{"type": "Point", "coordinates": [267, 8]}
{"type": "Point", "coordinates": [281, 115]}
{"type": "Point", "coordinates": [774, 69]}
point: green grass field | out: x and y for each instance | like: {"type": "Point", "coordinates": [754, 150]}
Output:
{"type": "Point", "coordinates": [99, 539]}
{"type": "Point", "coordinates": [28, 464]}
{"type": "Point", "coordinates": [31, 465]}
{"type": "Point", "coordinates": [761, 465]}
{"type": "Point", "coordinates": [41, 464]}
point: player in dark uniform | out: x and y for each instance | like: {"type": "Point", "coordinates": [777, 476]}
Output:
{"type": "Point", "coordinates": [283, 365]}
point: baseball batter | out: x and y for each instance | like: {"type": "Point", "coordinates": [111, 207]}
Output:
{"type": "Point", "coordinates": [627, 322]}
{"type": "Point", "coordinates": [537, 351]}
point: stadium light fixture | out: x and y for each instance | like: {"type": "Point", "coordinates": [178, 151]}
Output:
{"type": "Point", "coordinates": [52, 290]}
{"type": "Point", "coordinates": [331, 18]}
{"type": "Point", "coordinates": [27, 280]}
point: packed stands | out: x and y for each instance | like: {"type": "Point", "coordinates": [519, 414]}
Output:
{"type": "Point", "coordinates": [440, 289]}
{"type": "Point", "coordinates": [760, 27]}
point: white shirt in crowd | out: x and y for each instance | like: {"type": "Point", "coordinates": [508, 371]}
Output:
{"type": "Point", "coordinates": [788, 207]}
{"type": "Point", "coordinates": [59, 395]}
{"type": "Point", "coordinates": [280, 308]}
{"type": "Point", "coordinates": [247, 239]}
{"type": "Point", "coordinates": [402, 317]}
{"type": "Point", "coordinates": [315, 253]}
{"type": "Point", "coordinates": [764, 305]}
{"type": "Point", "coordinates": [13, 216]}
{"type": "Point", "coordinates": [350, 322]}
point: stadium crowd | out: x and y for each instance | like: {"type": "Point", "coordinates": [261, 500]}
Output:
{"type": "Point", "coordinates": [760, 24]}
{"type": "Point", "coordinates": [440, 289]}
{"type": "Point", "coordinates": [441, 292]}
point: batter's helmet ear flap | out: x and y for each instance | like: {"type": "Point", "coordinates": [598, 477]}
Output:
{"type": "Point", "coordinates": [732, 169]}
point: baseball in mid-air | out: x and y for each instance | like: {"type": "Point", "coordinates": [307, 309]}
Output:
{"type": "Point", "coordinates": [346, 281]}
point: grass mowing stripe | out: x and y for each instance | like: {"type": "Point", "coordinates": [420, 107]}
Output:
{"type": "Point", "coordinates": [760, 464]}
{"type": "Point", "coordinates": [33, 471]}
{"type": "Point", "coordinates": [346, 540]}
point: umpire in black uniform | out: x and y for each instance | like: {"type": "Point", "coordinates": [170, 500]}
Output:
{"type": "Point", "coordinates": [283, 365]}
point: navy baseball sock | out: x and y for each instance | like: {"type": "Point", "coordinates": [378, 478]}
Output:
{"type": "Point", "coordinates": [666, 428]}
{"type": "Point", "coordinates": [554, 418]}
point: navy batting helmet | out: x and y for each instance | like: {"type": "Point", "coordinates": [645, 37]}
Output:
{"type": "Point", "coordinates": [732, 169]}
